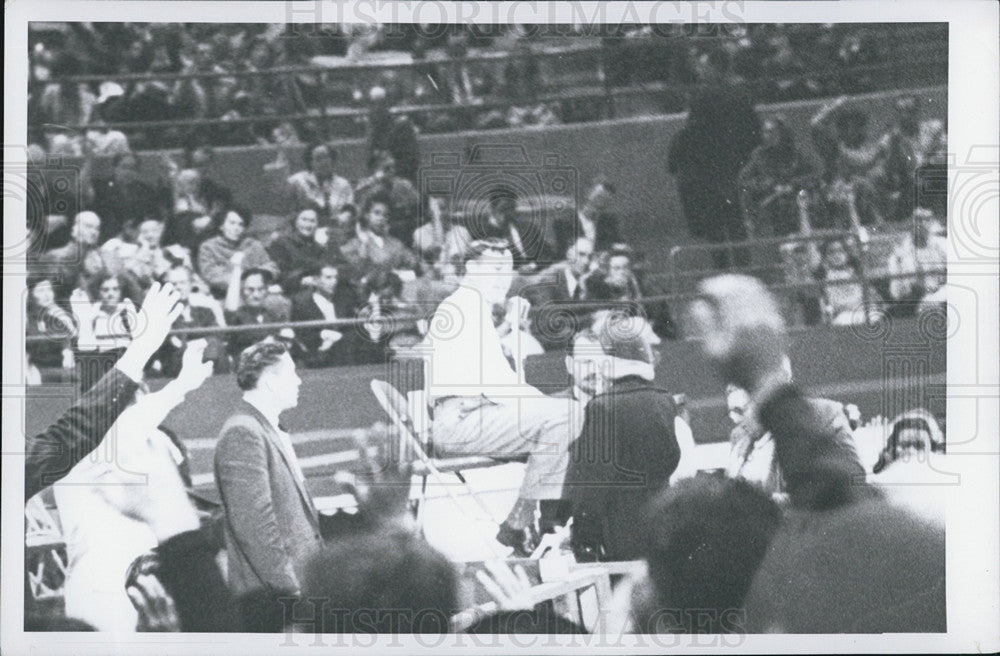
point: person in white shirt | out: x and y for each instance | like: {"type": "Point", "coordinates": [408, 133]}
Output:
{"type": "Point", "coordinates": [924, 256]}
{"type": "Point", "coordinates": [482, 405]}
{"type": "Point", "coordinates": [101, 542]}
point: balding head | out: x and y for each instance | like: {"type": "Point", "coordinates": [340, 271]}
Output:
{"type": "Point", "coordinates": [87, 228]}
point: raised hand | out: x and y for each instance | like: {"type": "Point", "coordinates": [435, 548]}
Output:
{"type": "Point", "coordinates": [157, 612]}
{"type": "Point", "coordinates": [194, 371]}
{"type": "Point", "coordinates": [149, 326]}
{"type": "Point", "coordinates": [741, 329]}
{"type": "Point", "coordinates": [510, 588]}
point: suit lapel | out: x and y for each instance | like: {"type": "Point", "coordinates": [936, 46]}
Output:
{"type": "Point", "coordinates": [275, 439]}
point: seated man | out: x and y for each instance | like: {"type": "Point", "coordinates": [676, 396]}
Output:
{"type": "Point", "coordinates": [297, 252]}
{"type": "Point", "coordinates": [332, 299]}
{"type": "Point", "coordinates": [752, 455]}
{"type": "Point", "coordinates": [167, 360]}
{"type": "Point", "coordinates": [481, 404]}
{"type": "Point", "coordinates": [247, 303]}
{"type": "Point", "coordinates": [627, 449]}
{"type": "Point", "coordinates": [553, 290]}
{"type": "Point", "coordinates": [78, 263]}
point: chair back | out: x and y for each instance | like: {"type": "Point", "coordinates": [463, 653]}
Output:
{"type": "Point", "coordinates": [406, 436]}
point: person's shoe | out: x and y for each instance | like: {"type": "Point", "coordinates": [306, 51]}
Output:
{"type": "Point", "coordinates": [522, 540]}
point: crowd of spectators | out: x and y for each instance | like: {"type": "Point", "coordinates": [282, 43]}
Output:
{"type": "Point", "coordinates": [363, 248]}
{"type": "Point", "coordinates": [346, 78]}
{"type": "Point", "coordinates": [840, 204]}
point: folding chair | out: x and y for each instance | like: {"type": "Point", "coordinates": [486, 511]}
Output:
{"type": "Point", "coordinates": [413, 442]}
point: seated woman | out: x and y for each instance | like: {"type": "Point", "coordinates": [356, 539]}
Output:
{"type": "Point", "coordinates": [373, 249]}
{"type": "Point", "coordinates": [387, 330]}
{"type": "Point", "coordinates": [843, 294]}
{"type": "Point", "coordinates": [102, 324]}
{"type": "Point", "coordinates": [297, 251]}
{"type": "Point", "coordinates": [50, 330]}
{"type": "Point", "coordinates": [919, 260]}
{"type": "Point", "coordinates": [215, 255]}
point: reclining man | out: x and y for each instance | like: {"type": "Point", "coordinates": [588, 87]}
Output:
{"type": "Point", "coordinates": [481, 402]}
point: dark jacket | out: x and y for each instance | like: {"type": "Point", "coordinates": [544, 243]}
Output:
{"type": "Point", "coordinates": [877, 567]}
{"type": "Point", "coordinates": [119, 203]}
{"type": "Point", "coordinates": [304, 308]}
{"type": "Point", "coordinates": [624, 455]}
{"type": "Point", "coordinates": [296, 256]}
{"type": "Point", "coordinates": [169, 355]}
{"type": "Point", "coordinates": [271, 524]}
{"type": "Point", "coordinates": [555, 318]}
{"type": "Point", "coordinates": [52, 453]}
{"type": "Point", "coordinates": [247, 316]}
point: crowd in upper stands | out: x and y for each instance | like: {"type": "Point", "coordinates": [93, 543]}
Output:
{"type": "Point", "coordinates": [370, 248]}
{"type": "Point", "coordinates": [440, 70]}
{"type": "Point", "coordinates": [373, 247]}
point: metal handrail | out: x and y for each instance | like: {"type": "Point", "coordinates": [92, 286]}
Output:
{"type": "Point", "coordinates": [327, 113]}
{"type": "Point", "coordinates": [550, 53]}
{"type": "Point", "coordinates": [409, 320]}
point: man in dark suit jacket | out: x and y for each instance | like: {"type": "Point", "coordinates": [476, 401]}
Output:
{"type": "Point", "coordinates": [627, 448]}
{"type": "Point", "coordinates": [324, 347]}
{"type": "Point", "coordinates": [271, 524]}
{"type": "Point", "coordinates": [552, 292]}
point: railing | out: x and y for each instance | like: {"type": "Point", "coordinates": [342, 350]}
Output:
{"type": "Point", "coordinates": [765, 266]}
{"type": "Point", "coordinates": [908, 64]}
{"type": "Point", "coordinates": [408, 321]}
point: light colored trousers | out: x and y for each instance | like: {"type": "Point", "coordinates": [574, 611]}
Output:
{"type": "Point", "coordinates": [541, 428]}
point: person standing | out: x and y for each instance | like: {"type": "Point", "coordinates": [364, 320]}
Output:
{"type": "Point", "coordinates": [627, 449]}
{"type": "Point", "coordinates": [707, 155]}
{"type": "Point", "coordinates": [271, 524]}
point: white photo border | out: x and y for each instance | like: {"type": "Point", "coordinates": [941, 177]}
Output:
{"type": "Point", "coordinates": [973, 510]}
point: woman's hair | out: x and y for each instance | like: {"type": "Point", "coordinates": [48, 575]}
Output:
{"type": "Point", "coordinates": [104, 277]}
{"type": "Point", "coordinates": [366, 206]}
{"type": "Point", "coordinates": [380, 280]}
{"type": "Point", "coordinates": [241, 212]}
{"type": "Point", "coordinates": [852, 260]}
{"type": "Point", "coordinates": [919, 419]}
{"type": "Point", "coordinates": [307, 156]}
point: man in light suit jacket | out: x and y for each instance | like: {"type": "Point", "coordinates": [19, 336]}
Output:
{"type": "Point", "coordinates": [271, 523]}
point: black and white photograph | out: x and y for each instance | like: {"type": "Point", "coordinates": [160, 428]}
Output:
{"type": "Point", "coordinates": [425, 327]}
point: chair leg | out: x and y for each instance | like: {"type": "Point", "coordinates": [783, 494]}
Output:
{"type": "Point", "coordinates": [421, 501]}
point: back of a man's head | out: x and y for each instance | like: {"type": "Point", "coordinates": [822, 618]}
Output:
{"type": "Point", "coordinates": [707, 537]}
{"type": "Point", "coordinates": [623, 336]}
{"type": "Point", "coordinates": [255, 359]}
{"type": "Point", "coordinates": [387, 581]}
